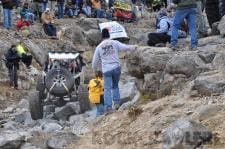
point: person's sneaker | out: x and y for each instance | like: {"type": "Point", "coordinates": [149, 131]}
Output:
{"type": "Point", "coordinates": [116, 106]}
{"type": "Point", "coordinates": [160, 45]}
{"type": "Point", "coordinates": [108, 112]}
{"type": "Point", "coordinates": [174, 48]}
{"type": "Point", "coordinates": [16, 88]}
{"type": "Point", "coordinates": [194, 48]}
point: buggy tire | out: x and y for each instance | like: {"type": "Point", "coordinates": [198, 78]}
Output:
{"type": "Point", "coordinates": [41, 87]}
{"type": "Point", "coordinates": [212, 11]}
{"type": "Point", "coordinates": [59, 90]}
{"type": "Point", "coordinates": [36, 106]}
{"type": "Point", "coordinates": [83, 98]}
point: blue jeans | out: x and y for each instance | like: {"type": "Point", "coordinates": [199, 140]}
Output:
{"type": "Point", "coordinates": [87, 10]}
{"type": "Point", "coordinates": [99, 13]}
{"type": "Point", "coordinates": [100, 109]}
{"type": "Point", "coordinates": [71, 12]}
{"type": "Point", "coordinates": [190, 15]}
{"type": "Point", "coordinates": [7, 18]}
{"type": "Point", "coordinates": [29, 17]}
{"type": "Point", "coordinates": [42, 7]}
{"type": "Point", "coordinates": [222, 7]}
{"type": "Point", "coordinates": [50, 29]}
{"type": "Point", "coordinates": [111, 88]}
{"type": "Point", "coordinates": [60, 10]}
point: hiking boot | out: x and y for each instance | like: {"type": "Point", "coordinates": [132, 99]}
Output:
{"type": "Point", "coordinates": [193, 48]}
{"type": "Point", "coordinates": [160, 45]}
{"type": "Point", "coordinates": [116, 106]}
{"type": "Point", "coordinates": [174, 48]}
{"type": "Point", "coordinates": [108, 112]}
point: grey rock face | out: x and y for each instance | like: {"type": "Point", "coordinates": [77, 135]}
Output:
{"type": "Point", "coordinates": [11, 139]}
{"type": "Point", "coordinates": [93, 37]}
{"type": "Point", "coordinates": [206, 111]}
{"type": "Point", "coordinates": [185, 134]}
{"type": "Point", "coordinates": [68, 110]}
{"type": "Point", "coordinates": [209, 84]}
{"type": "Point", "coordinates": [221, 26]}
{"type": "Point", "coordinates": [60, 140]}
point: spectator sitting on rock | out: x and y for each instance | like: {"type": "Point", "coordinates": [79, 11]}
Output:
{"type": "Point", "coordinates": [86, 9]}
{"type": "Point", "coordinates": [70, 9]}
{"type": "Point", "coordinates": [22, 26]}
{"type": "Point", "coordinates": [164, 28]}
{"type": "Point", "coordinates": [47, 20]}
{"type": "Point", "coordinates": [21, 22]}
{"type": "Point", "coordinates": [27, 13]}
{"type": "Point", "coordinates": [97, 8]}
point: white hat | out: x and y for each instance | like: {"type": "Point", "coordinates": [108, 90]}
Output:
{"type": "Point", "coordinates": [47, 9]}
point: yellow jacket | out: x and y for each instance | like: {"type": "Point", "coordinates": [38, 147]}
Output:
{"type": "Point", "coordinates": [20, 49]}
{"type": "Point", "coordinates": [96, 89]}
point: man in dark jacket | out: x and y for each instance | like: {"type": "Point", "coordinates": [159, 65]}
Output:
{"type": "Point", "coordinates": [7, 12]}
{"type": "Point", "coordinates": [12, 63]}
{"type": "Point", "coordinates": [186, 9]}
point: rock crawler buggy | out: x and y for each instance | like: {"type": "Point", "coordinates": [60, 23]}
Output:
{"type": "Point", "coordinates": [60, 81]}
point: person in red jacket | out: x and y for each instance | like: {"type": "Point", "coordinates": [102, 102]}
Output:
{"type": "Point", "coordinates": [22, 23]}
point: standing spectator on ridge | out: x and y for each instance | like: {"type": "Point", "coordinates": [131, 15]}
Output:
{"type": "Point", "coordinates": [60, 4]}
{"type": "Point", "coordinates": [201, 23]}
{"type": "Point", "coordinates": [12, 63]}
{"type": "Point", "coordinates": [185, 9]}
{"type": "Point", "coordinates": [106, 58]}
{"type": "Point", "coordinates": [222, 7]}
{"type": "Point", "coordinates": [7, 12]}
{"type": "Point", "coordinates": [44, 5]}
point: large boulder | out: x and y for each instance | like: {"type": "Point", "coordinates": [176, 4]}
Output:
{"type": "Point", "coordinates": [91, 23]}
{"type": "Point", "coordinates": [93, 37]}
{"type": "Point", "coordinates": [185, 134]}
{"type": "Point", "coordinates": [138, 35]}
{"type": "Point", "coordinates": [221, 26]}
{"type": "Point", "coordinates": [148, 60]}
{"type": "Point", "coordinates": [77, 36]}
{"type": "Point", "coordinates": [66, 111]}
{"type": "Point", "coordinates": [61, 140]}
{"type": "Point", "coordinates": [210, 83]}
{"type": "Point", "coordinates": [11, 139]}
{"type": "Point", "coordinates": [188, 64]}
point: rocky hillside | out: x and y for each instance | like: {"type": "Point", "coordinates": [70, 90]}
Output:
{"type": "Point", "coordinates": [175, 98]}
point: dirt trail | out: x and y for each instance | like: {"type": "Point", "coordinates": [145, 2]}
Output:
{"type": "Point", "coordinates": [119, 130]}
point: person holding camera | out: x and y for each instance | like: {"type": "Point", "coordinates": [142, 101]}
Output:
{"type": "Point", "coordinates": [12, 63]}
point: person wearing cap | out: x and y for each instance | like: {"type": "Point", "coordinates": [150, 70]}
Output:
{"type": "Point", "coordinates": [106, 59]}
{"type": "Point", "coordinates": [47, 20]}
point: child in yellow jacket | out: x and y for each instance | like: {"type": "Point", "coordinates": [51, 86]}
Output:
{"type": "Point", "coordinates": [96, 92]}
